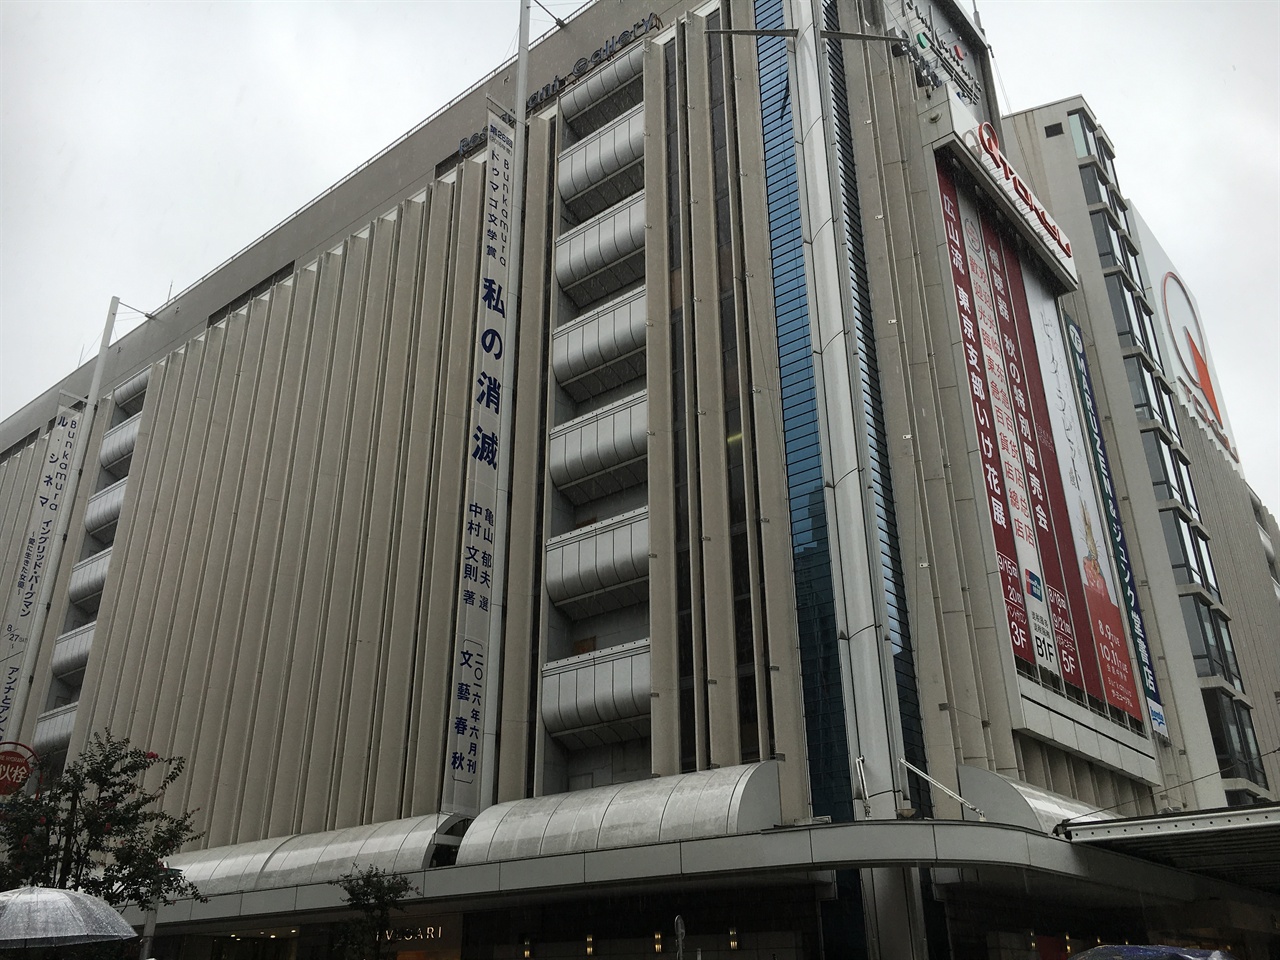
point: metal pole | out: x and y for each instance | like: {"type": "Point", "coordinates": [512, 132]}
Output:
{"type": "Point", "coordinates": [488, 775]}
{"type": "Point", "coordinates": [60, 531]}
{"type": "Point", "coordinates": [148, 933]}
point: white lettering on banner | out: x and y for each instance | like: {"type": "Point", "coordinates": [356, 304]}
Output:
{"type": "Point", "coordinates": [1024, 388]}
{"type": "Point", "coordinates": [1085, 515]}
{"type": "Point", "coordinates": [488, 390]}
{"type": "Point", "coordinates": [23, 595]}
{"type": "Point", "coordinates": [1007, 569]}
{"type": "Point", "coordinates": [991, 146]}
{"type": "Point", "coordinates": [983, 146]}
{"type": "Point", "coordinates": [1115, 528]}
{"type": "Point", "coordinates": [1012, 429]}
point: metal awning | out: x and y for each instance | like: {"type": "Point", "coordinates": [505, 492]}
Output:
{"type": "Point", "coordinates": [708, 803]}
{"type": "Point", "coordinates": [1240, 845]}
{"type": "Point", "coordinates": [398, 846]}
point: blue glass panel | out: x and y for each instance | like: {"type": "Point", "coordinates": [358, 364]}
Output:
{"type": "Point", "coordinates": [829, 770]}
{"type": "Point", "coordinates": [877, 446]}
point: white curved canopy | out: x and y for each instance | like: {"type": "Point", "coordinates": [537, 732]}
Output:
{"type": "Point", "coordinates": [708, 803]}
{"type": "Point", "coordinates": [397, 846]}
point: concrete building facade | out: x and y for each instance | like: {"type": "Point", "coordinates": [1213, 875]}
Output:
{"type": "Point", "coordinates": [1148, 343]}
{"type": "Point", "coordinates": [815, 588]}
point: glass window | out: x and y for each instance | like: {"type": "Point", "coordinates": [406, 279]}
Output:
{"type": "Point", "coordinates": [1170, 471]}
{"type": "Point", "coordinates": [1081, 134]}
{"type": "Point", "coordinates": [1152, 398]}
{"type": "Point", "coordinates": [1234, 740]}
{"type": "Point", "coordinates": [1119, 209]}
{"type": "Point", "coordinates": [1129, 253]}
{"type": "Point", "coordinates": [1142, 387]}
{"type": "Point", "coordinates": [1168, 410]}
{"type": "Point", "coordinates": [1094, 191]}
{"type": "Point", "coordinates": [1188, 552]}
{"type": "Point", "coordinates": [1105, 235]}
{"type": "Point", "coordinates": [1103, 153]}
{"type": "Point", "coordinates": [1125, 313]}
{"type": "Point", "coordinates": [1132, 316]}
{"type": "Point", "coordinates": [1210, 637]}
{"type": "Point", "coordinates": [1147, 323]}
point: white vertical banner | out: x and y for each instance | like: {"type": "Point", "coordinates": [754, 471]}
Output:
{"type": "Point", "coordinates": [22, 596]}
{"type": "Point", "coordinates": [474, 679]}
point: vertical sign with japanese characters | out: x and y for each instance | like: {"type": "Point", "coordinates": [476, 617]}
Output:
{"type": "Point", "coordinates": [1115, 530]}
{"type": "Point", "coordinates": [1084, 513]}
{"type": "Point", "coordinates": [1032, 425]}
{"type": "Point", "coordinates": [1055, 498]}
{"type": "Point", "coordinates": [1012, 431]}
{"type": "Point", "coordinates": [979, 397]}
{"type": "Point", "coordinates": [22, 596]}
{"type": "Point", "coordinates": [487, 448]}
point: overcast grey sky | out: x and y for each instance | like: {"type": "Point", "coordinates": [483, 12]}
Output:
{"type": "Point", "coordinates": [143, 143]}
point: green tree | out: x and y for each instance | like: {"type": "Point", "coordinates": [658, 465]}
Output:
{"type": "Point", "coordinates": [373, 893]}
{"type": "Point", "coordinates": [99, 827]}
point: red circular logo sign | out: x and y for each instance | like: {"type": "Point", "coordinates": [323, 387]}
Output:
{"type": "Point", "coordinates": [16, 763]}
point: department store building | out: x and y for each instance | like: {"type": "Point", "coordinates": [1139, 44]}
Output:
{"type": "Point", "coordinates": [769, 540]}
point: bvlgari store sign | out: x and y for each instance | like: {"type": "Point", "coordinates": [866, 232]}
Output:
{"type": "Point", "coordinates": [425, 938]}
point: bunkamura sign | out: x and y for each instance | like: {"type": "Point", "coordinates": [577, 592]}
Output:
{"type": "Point", "coordinates": [22, 595]}
{"type": "Point", "coordinates": [478, 595]}
{"type": "Point", "coordinates": [1054, 579]}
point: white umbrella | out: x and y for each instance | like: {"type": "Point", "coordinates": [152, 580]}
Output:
{"type": "Point", "coordinates": [49, 917]}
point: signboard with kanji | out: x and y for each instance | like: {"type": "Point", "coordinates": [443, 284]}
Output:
{"type": "Point", "coordinates": [1058, 580]}
{"type": "Point", "coordinates": [22, 595]}
{"type": "Point", "coordinates": [478, 595]}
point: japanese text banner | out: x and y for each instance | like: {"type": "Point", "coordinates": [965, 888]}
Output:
{"type": "Point", "coordinates": [473, 679]}
{"type": "Point", "coordinates": [988, 449]}
{"type": "Point", "coordinates": [22, 596]}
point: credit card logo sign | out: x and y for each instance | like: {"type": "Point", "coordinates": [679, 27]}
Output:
{"type": "Point", "coordinates": [1034, 586]}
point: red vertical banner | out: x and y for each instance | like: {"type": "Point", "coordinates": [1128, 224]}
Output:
{"type": "Point", "coordinates": [1030, 429]}
{"type": "Point", "coordinates": [977, 388]}
{"type": "Point", "coordinates": [1051, 477]}
{"type": "Point", "coordinates": [1072, 501]}
{"type": "Point", "coordinates": [1009, 445]}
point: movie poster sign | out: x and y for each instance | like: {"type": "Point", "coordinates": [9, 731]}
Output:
{"type": "Point", "coordinates": [1128, 583]}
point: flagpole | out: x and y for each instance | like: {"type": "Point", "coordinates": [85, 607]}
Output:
{"type": "Point", "coordinates": [13, 728]}
{"type": "Point", "coordinates": [488, 771]}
